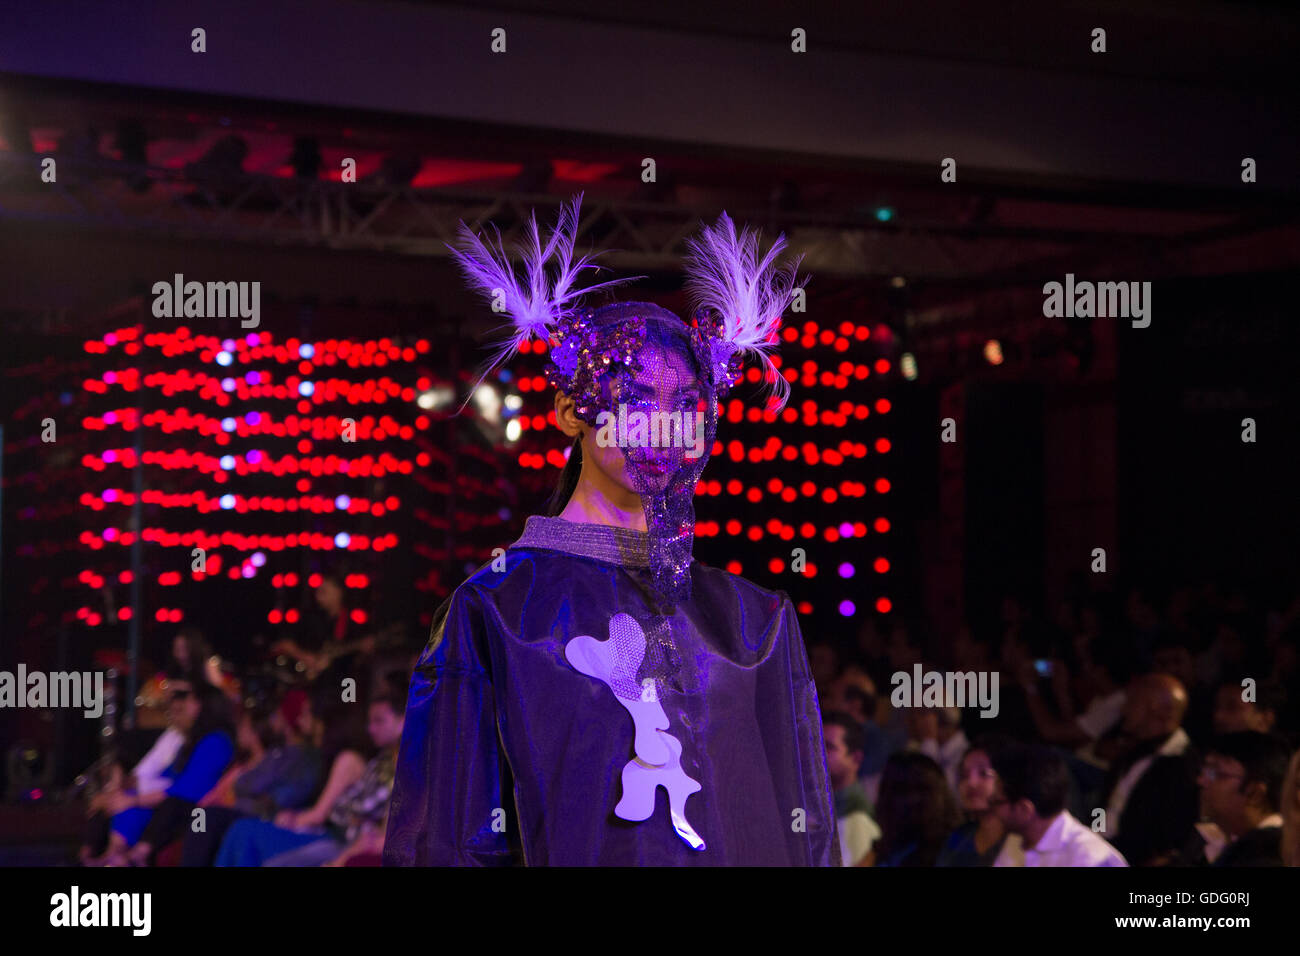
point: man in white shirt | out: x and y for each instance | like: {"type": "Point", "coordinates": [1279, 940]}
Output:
{"type": "Point", "coordinates": [1034, 788]}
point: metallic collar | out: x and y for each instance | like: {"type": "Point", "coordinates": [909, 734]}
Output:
{"type": "Point", "coordinates": [606, 543]}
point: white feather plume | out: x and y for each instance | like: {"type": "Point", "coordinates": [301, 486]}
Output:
{"type": "Point", "coordinates": [725, 275]}
{"type": "Point", "coordinates": [535, 302]}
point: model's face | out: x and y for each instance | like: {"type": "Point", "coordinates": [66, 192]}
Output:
{"type": "Point", "coordinates": [664, 385]}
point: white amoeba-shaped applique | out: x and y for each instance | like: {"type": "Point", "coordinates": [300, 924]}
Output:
{"type": "Point", "coordinates": [657, 763]}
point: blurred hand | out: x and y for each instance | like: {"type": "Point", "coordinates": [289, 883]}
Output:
{"type": "Point", "coordinates": [115, 803]}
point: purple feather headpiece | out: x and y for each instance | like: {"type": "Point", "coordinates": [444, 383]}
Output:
{"type": "Point", "coordinates": [738, 301]}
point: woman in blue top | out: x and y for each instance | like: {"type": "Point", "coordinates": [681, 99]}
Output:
{"type": "Point", "coordinates": [202, 713]}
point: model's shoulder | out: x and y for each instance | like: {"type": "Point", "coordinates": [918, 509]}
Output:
{"type": "Point", "coordinates": [746, 589]}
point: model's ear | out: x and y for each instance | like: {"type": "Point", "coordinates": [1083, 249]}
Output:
{"type": "Point", "coordinates": [566, 415]}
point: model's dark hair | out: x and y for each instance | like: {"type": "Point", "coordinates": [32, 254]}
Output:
{"type": "Point", "coordinates": [664, 329]}
{"type": "Point", "coordinates": [568, 480]}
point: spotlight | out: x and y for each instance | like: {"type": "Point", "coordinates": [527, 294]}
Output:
{"type": "Point", "coordinates": [907, 362]}
{"type": "Point", "coordinates": [488, 402]}
{"type": "Point", "coordinates": [434, 398]}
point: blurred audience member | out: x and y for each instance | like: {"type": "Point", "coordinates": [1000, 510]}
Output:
{"type": "Point", "coordinates": [1034, 789]}
{"type": "Point", "coordinates": [936, 732]}
{"type": "Point", "coordinates": [1239, 707]}
{"type": "Point", "coordinates": [202, 713]}
{"type": "Point", "coordinates": [916, 811]}
{"type": "Point", "coordinates": [858, 832]}
{"type": "Point", "coordinates": [1241, 799]}
{"type": "Point", "coordinates": [978, 841]}
{"type": "Point", "coordinates": [1291, 813]}
{"type": "Point", "coordinates": [352, 825]}
{"type": "Point", "coordinates": [1150, 791]}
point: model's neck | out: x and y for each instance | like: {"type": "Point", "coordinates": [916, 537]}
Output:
{"type": "Point", "coordinates": [590, 505]}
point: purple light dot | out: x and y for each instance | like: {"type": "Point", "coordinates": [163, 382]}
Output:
{"type": "Point", "coordinates": [110, 418]}
{"type": "Point", "coordinates": [846, 530]}
{"type": "Point", "coordinates": [251, 338]}
{"type": "Point", "coordinates": [846, 570]}
{"type": "Point", "coordinates": [248, 571]}
{"type": "Point", "coordinates": [110, 494]}
{"type": "Point", "coordinates": [253, 418]}
{"type": "Point", "coordinates": [257, 559]}
{"type": "Point", "coordinates": [250, 378]}
{"type": "Point", "coordinates": [109, 456]}
{"type": "Point", "coordinates": [253, 457]}
{"type": "Point", "coordinates": [847, 608]}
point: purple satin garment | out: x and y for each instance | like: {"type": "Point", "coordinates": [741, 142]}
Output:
{"type": "Point", "coordinates": [510, 755]}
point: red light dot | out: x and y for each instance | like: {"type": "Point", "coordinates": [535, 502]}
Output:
{"type": "Point", "coordinates": [775, 565]}
{"type": "Point", "coordinates": [882, 485]}
{"type": "Point", "coordinates": [882, 525]}
{"type": "Point", "coordinates": [880, 565]}
{"type": "Point", "coordinates": [884, 605]}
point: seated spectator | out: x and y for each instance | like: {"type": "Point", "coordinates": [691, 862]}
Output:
{"type": "Point", "coordinates": [354, 824]}
{"type": "Point", "coordinates": [1291, 813]}
{"type": "Point", "coordinates": [284, 775]}
{"type": "Point", "coordinates": [916, 811]}
{"type": "Point", "coordinates": [201, 712]}
{"type": "Point", "coordinates": [1228, 652]}
{"type": "Point", "coordinates": [1034, 789]}
{"type": "Point", "coordinates": [147, 777]}
{"type": "Point", "coordinates": [854, 693]}
{"type": "Point", "coordinates": [1233, 712]}
{"type": "Point", "coordinates": [857, 831]}
{"type": "Point", "coordinates": [1106, 673]}
{"type": "Point", "coordinates": [978, 841]}
{"type": "Point", "coordinates": [1150, 790]}
{"type": "Point", "coordinates": [1241, 793]}
{"type": "Point", "coordinates": [936, 732]}
{"type": "Point", "coordinates": [823, 664]}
